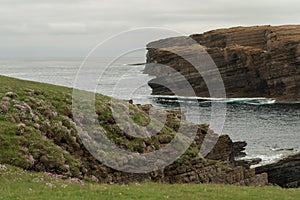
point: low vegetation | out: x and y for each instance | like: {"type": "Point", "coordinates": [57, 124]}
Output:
{"type": "Point", "coordinates": [15, 183]}
{"type": "Point", "coordinates": [41, 156]}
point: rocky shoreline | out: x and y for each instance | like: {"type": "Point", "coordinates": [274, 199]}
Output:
{"type": "Point", "coordinates": [259, 61]}
{"type": "Point", "coordinates": [38, 133]}
{"type": "Point", "coordinates": [285, 173]}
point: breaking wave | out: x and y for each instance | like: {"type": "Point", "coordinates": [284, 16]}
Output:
{"type": "Point", "coordinates": [251, 101]}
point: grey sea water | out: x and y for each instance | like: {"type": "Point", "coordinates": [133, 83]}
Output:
{"type": "Point", "coordinates": [272, 131]}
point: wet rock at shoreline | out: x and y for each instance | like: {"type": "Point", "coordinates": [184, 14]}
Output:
{"type": "Point", "coordinates": [285, 173]}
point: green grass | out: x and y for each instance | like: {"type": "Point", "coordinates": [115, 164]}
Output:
{"type": "Point", "coordinates": [16, 183]}
{"type": "Point", "coordinates": [19, 145]}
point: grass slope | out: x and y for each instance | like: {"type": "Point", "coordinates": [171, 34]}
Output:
{"type": "Point", "coordinates": [16, 183]}
{"type": "Point", "coordinates": [20, 145]}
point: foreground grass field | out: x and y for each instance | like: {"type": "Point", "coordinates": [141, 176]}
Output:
{"type": "Point", "coordinates": [16, 183]}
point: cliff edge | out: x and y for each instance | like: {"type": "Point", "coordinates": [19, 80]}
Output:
{"type": "Point", "coordinates": [259, 61]}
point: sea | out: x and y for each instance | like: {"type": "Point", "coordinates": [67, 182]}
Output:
{"type": "Point", "coordinates": [271, 130]}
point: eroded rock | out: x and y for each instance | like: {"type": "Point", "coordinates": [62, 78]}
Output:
{"type": "Point", "coordinates": [260, 61]}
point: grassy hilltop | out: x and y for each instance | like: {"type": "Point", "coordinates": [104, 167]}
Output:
{"type": "Point", "coordinates": [41, 156]}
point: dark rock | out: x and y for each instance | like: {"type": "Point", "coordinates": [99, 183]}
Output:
{"type": "Point", "coordinates": [285, 173]}
{"type": "Point", "coordinates": [226, 150]}
{"type": "Point", "coordinates": [222, 150]}
{"type": "Point", "coordinates": [260, 61]}
{"type": "Point", "coordinates": [238, 148]}
{"type": "Point", "coordinates": [248, 162]}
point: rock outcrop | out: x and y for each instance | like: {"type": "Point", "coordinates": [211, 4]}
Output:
{"type": "Point", "coordinates": [260, 61]}
{"type": "Point", "coordinates": [38, 132]}
{"type": "Point", "coordinates": [285, 173]}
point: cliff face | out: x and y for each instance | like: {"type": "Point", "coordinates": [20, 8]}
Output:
{"type": "Point", "coordinates": [285, 173]}
{"type": "Point", "coordinates": [262, 61]}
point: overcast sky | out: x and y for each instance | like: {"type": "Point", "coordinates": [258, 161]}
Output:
{"type": "Point", "coordinates": [71, 28]}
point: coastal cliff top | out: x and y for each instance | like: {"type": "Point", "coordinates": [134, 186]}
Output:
{"type": "Point", "coordinates": [237, 36]}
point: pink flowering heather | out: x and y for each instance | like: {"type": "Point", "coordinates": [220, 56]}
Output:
{"type": "Point", "coordinates": [37, 126]}
{"type": "Point", "coordinates": [4, 107]}
{"type": "Point", "coordinates": [36, 118]}
{"type": "Point", "coordinates": [5, 98]}
{"type": "Point", "coordinates": [94, 178]}
{"type": "Point", "coordinates": [76, 180]}
{"type": "Point", "coordinates": [54, 113]}
{"type": "Point", "coordinates": [32, 114]}
{"type": "Point", "coordinates": [31, 159]}
{"type": "Point", "coordinates": [10, 94]}
{"type": "Point", "coordinates": [53, 175]}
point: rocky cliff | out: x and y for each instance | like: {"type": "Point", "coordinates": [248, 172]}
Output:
{"type": "Point", "coordinates": [285, 173]}
{"type": "Point", "coordinates": [260, 61]}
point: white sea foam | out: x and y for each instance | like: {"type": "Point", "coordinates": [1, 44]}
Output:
{"type": "Point", "coordinates": [252, 101]}
{"type": "Point", "coordinates": [266, 159]}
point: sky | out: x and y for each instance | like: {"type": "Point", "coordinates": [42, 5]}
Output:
{"type": "Point", "coordinates": [71, 28]}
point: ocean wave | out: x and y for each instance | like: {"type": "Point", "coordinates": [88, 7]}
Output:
{"type": "Point", "coordinates": [251, 101]}
{"type": "Point", "coordinates": [134, 64]}
{"type": "Point", "coordinates": [266, 159]}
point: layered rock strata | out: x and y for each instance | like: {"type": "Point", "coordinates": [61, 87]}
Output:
{"type": "Point", "coordinates": [285, 173]}
{"type": "Point", "coordinates": [260, 61]}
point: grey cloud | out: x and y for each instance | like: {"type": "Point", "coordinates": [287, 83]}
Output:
{"type": "Point", "coordinates": [90, 21]}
